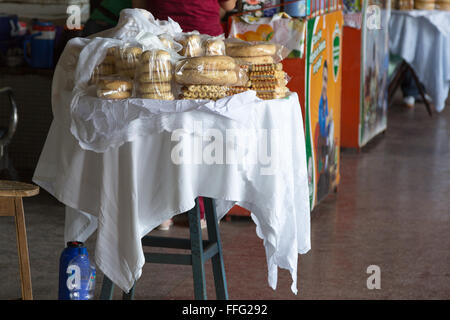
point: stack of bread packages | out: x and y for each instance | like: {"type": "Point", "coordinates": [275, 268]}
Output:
{"type": "Point", "coordinates": [109, 84]}
{"type": "Point", "coordinates": [206, 77]}
{"type": "Point", "coordinates": [126, 60]}
{"type": "Point", "coordinates": [154, 75]}
{"type": "Point", "coordinates": [266, 76]}
{"type": "Point", "coordinates": [106, 68]}
{"type": "Point", "coordinates": [114, 88]}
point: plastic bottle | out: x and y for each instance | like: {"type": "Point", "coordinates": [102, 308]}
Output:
{"type": "Point", "coordinates": [81, 277]}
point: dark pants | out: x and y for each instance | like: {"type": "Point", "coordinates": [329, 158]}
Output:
{"type": "Point", "coordinates": [409, 87]}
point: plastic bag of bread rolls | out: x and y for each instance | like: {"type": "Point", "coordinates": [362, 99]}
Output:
{"type": "Point", "coordinates": [207, 77]}
{"type": "Point", "coordinates": [214, 46]}
{"type": "Point", "coordinates": [154, 75]}
{"type": "Point", "coordinates": [207, 70]}
{"type": "Point", "coordinates": [114, 88]}
{"type": "Point", "coordinates": [106, 67]}
{"type": "Point", "coordinates": [169, 43]}
{"type": "Point", "coordinates": [250, 53]}
{"type": "Point", "coordinates": [192, 43]}
{"type": "Point", "coordinates": [126, 59]}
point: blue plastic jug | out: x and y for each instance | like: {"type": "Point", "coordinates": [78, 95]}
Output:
{"type": "Point", "coordinates": [76, 273]}
{"type": "Point", "coordinates": [41, 43]}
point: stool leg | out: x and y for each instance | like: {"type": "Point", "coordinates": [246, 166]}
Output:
{"type": "Point", "coordinates": [129, 295]}
{"type": "Point", "coordinates": [107, 289]}
{"type": "Point", "coordinates": [217, 260]}
{"type": "Point", "coordinates": [198, 263]}
{"type": "Point", "coordinates": [24, 260]}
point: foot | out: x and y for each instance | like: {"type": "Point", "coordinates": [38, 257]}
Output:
{"type": "Point", "coordinates": [203, 223]}
{"type": "Point", "coordinates": [409, 101]}
{"type": "Point", "coordinates": [166, 225]}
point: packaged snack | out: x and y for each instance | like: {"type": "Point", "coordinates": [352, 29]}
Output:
{"type": "Point", "coordinates": [169, 43]}
{"type": "Point", "coordinates": [200, 91]}
{"type": "Point", "coordinates": [208, 70]}
{"type": "Point", "coordinates": [106, 67]}
{"type": "Point", "coordinates": [154, 75]}
{"type": "Point", "coordinates": [214, 47]}
{"type": "Point", "coordinates": [126, 60]}
{"type": "Point", "coordinates": [192, 45]}
{"type": "Point", "coordinates": [114, 88]}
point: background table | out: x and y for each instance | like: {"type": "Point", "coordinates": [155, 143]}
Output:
{"type": "Point", "coordinates": [422, 39]}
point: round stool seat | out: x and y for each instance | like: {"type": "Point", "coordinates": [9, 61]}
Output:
{"type": "Point", "coordinates": [17, 189]}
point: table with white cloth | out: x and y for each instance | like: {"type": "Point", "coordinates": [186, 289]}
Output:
{"type": "Point", "coordinates": [123, 167]}
{"type": "Point", "coordinates": [422, 39]}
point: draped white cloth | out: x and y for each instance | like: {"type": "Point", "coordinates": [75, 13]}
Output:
{"type": "Point", "coordinates": [422, 38]}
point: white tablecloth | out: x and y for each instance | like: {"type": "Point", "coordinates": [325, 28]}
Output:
{"type": "Point", "coordinates": [422, 38]}
{"type": "Point", "coordinates": [127, 191]}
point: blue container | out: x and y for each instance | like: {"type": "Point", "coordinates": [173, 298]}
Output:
{"type": "Point", "coordinates": [8, 28]}
{"type": "Point", "coordinates": [41, 44]}
{"type": "Point", "coordinates": [76, 273]}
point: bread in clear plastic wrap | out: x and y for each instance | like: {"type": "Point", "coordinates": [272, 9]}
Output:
{"type": "Point", "coordinates": [169, 43]}
{"type": "Point", "coordinates": [263, 64]}
{"type": "Point", "coordinates": [203, 91]}
{"type": "Point", "coordinates": [114, 88]}
{"type": "Point", "coordinates": [214, 46]}
{"type": "Point", "coordinates": [251, 53]}
{"type": "Point", "coordinates": [192, 44]}
{"type": "Point", "coordinates": [106, 67]}
{"type": "Point", "coordinates": [126, 59]}
{"type": "Point", "coordinates": [208, 70]}
{"type": "Point", "coordinates": [154, 75]}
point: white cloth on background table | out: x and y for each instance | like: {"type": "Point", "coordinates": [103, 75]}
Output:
{"type": "Point", "coordinates": [112, 164]}
{"type": "Point", "coordinates": [422, 38]}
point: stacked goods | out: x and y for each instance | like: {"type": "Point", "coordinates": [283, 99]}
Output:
{"type": "Point", "coordinates": [126, 60]}
{"type": "Point", "coordinates": [206, 77]}
{"type": "Point", "coordinates": [252, 54]}
{"type": "Point", "coordinates": [192, 46]}
{"type": "Point", "coordinates": [113, 88]}
{"type": "Point", "coordinates": [214, 47]}
{"type": "Point", "coordinates": [106, 67]}
{"type": "Point", "coordinates": [154, 75]}
{"type": "Point", "coordinates": [405, 4]}
{"type": "Point", "coordinates": [443, 5]}
{"type": "Point", "coordinates": [267, 78]}
{"type": "Point", "coordinates": [424, 4]}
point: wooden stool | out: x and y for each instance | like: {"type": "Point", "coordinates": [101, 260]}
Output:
{"type": "Point", "coordinates": [11, 194]}
{"type": "Point", "coordinates": [201, 251]}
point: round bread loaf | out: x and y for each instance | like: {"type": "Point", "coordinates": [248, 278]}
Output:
{"type": "Point", "coordinates": [104, 69]}
{"type": "Point", "coordinates": [192, 46]}
{"type": "Point", "coordinates": [113, 94]}
{"type": "Point", "coordinates": [214, 47]}
{"type": "Point", "coordinates": [155, 76]}
{"type": "Point", "coordinates": [155, 87]}
{"type": "Point", "coordinates": [114, 84]}
{"type": "Point", "coordinates": [109, 59]}
{"type": "Point", "coordinates": [254, 60]}
{"type": "Point", "coordinates": [206, 63]}
{"type": "Point", "coordinates": [212, 77]}
{"type": "Point", "coordinates": [152, 55]}
{"type": "Point", "coordinates": [257, 50]}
